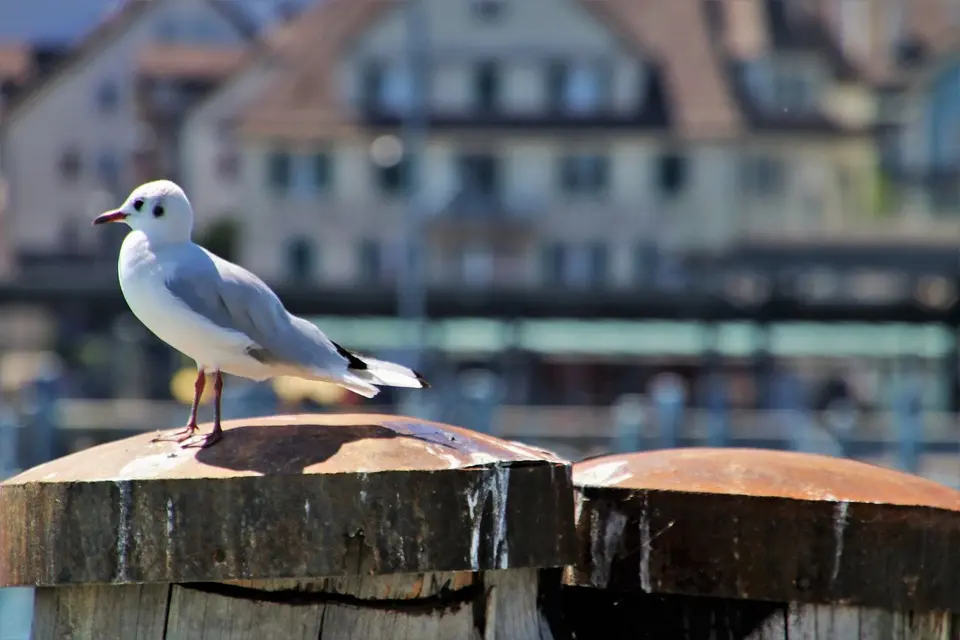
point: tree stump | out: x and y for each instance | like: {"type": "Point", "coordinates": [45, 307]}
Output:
{"type": "Point", "coordinates": [737, 543]}
{"type": "Point", "coordinates": [310, 526]}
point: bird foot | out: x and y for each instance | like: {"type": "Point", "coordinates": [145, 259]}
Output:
{"type": "Point", "coordinates": [201, 441]}
{"type": "Point", "coordinates": [178, 436]}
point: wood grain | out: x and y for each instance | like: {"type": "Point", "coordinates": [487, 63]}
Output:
{"type": "Point", "coordinates": [196, 615]}
{"type": "Point", "coordinates": [101, 612]}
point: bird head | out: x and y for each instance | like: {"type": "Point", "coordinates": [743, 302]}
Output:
{"type": "Point", "coordinates": [159, 209]}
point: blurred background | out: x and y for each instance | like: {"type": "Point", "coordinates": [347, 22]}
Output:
{"type": "Point", "coordinates": [595, 225]}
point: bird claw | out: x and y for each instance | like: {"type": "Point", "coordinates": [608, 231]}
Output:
{"type": "Point", "coordinates": [178, 436]}
{"type": "Point", "coordinates": [201, 441]}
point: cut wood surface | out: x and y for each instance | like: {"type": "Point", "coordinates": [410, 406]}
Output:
{"type": "Point", "coordinates": [302, 496]}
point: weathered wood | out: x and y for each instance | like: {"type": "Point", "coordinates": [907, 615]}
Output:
{"type": "Point", "coordinates": [495, 604]}
{"type": "Point", "coordinates": [767, 525]}
{"type": "Point", "coordinates": [336, 527]}
{"type": "Point", "coordinates": [762, 544]}
{"type": "Point", "coordinates": [132, 612]}
{"type": "Point", "coordinates": [635, 615]}
{"type": "Point", "coordinates": [289, 496]}
{"type": "Point", "coordinates": [324, 526]}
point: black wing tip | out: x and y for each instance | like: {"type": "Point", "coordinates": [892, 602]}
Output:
{"type": "Point", "coordinates": [353, 362]}
{"type": "Point", "coordinates": [423, 381]}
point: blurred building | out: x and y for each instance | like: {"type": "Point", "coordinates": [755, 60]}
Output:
{"type": "Point", "coordinates": [601, 144]}
{"type": "Point", "coordinates": [756, 149]}
{"type": "Point", "coordinates": [17, 68]}
{"type": "Point", "coordinates": [580, 143]}
{"type": "Point", "coordinates": [71, 139]}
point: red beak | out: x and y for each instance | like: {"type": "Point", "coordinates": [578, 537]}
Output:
{"type": "Point", "coordinates": [110, 216]}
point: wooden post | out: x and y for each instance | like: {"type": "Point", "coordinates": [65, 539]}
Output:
{"type": "Point", "coordinates": [312, 526]}
{"type": "Point", "coordinates": [734, 543]}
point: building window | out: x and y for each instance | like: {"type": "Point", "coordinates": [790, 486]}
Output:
{"type": "Point", "coordinates": [778, 89]}
{"type": "Point", "coordinates": [489, 11]}
{"type": "Point", "coordinates": [576, 265]}
{"type": "Point", "coordinates": [477, 266]}
{"type": "Point", "coordinates": [583, 174]}
{"type": "Point", "coordinates": [278, 171]}
{"type": "Point", "coordinates": [387, 87]}
{"type": "Point", "coordinates": [793, 90]}
{"type": "Point", "coordinates": [757, 76]}
{"type": "Point", "coordinates": [393, 179]}
{"type": "Point", "coordinates": [588, 265]}
{"type": "Point", "coordinates": [108, 97]}
{"type": "Point", "coordinates": [554, 263]}
{"type": "Point", "coordinates": [598, 264]}
{"type": "Point", "coordinates": [300, 260]}
{"type": "Point", "coordinates": [322, 171]}
{"type": "Point", "coordinates": [486, 83]}
{"type": "Point", "coordinates": [479, 175]}
{"type": "Point", "coordinates": [370, 261]}
{"type": "Point", "coordinates": [762, 175]}
{"type": "Point", "coordinates": [646, 263]}
{"type": "Point", "coordinates": [579, 88]}
{"type": "Point", "coordinates": [70, 165]}
{"type": "Point", "coordinates": [108, 170]}
{"type": "Point", "coordinates": [371, 80]}
{"type": "Point", "coordinates": [671, 174]}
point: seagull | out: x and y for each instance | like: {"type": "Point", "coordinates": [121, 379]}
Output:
{"type": "Point", "coordinates": [221, 315]}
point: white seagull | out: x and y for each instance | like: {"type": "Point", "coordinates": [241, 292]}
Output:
{"type": "Point", "coordinates": [220, 314]}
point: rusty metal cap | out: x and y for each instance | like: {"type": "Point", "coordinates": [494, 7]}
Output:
{"type": "Point", "coordinates": [763, 472]}
{"type": "Point", "coordinates": [288, 496]}
{"type": "Point", "coordinates": [767, 525]}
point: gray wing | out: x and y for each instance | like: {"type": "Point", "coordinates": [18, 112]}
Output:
{"type": "Point", "coordinates": [235, 299]}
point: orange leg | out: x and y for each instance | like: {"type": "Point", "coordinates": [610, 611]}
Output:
{"type": "Point", "coordinates": [191, 429]}
{"type": "Point", "coordinates": [217, 434]}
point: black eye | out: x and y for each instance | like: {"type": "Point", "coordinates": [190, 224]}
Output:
{"type": "Point", "coordinates": [158, 211]}
{"type": "Point", "coordinates": [138, 204]}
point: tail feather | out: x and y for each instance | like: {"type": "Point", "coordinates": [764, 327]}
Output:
{"type": "Point", "coordinates": [358, 386]}
{"type": "Point", "coordinates": [363, 372]}
{"type": "Point", "coordinates": [390, 374]}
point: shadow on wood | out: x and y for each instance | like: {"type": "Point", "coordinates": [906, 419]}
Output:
{"type": "Point", "coordinates": [285, 448]}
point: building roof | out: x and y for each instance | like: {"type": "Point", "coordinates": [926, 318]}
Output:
{"type": "Point", "coordinates": [188, 62]}
{"type": "Point", "coordinates": [696, 47]}
{"type": "Point", "coordinates": [102, 36]}
{"type": "Point", "coordinates": [699, 98]}
{"type": "Point", "coordinates": [672, 32]}
{"type": "Point", "coordinates": [303, 103]}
